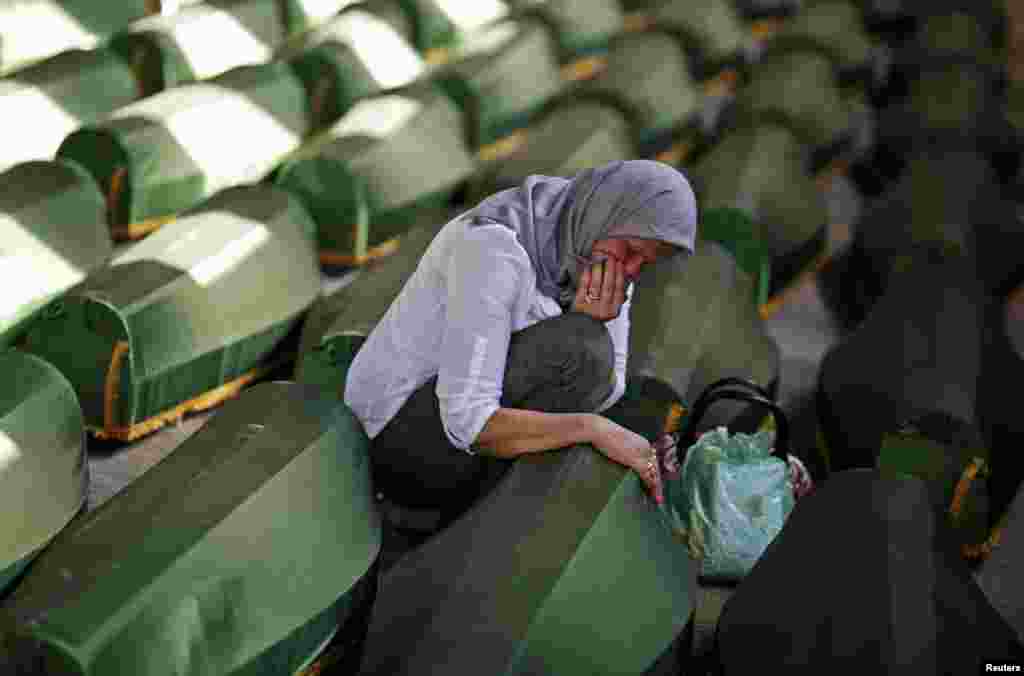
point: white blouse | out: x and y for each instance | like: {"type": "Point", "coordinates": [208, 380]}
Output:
{"type": "Point", "coordinates": [473, 288]}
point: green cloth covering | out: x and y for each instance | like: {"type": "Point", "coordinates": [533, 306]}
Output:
{"type": "Point", "coordinates": [355, 55]}
{"type": "Point", "coordinates": [574, 134]}
{"type": "Point", "coordinates": [838, 25]}
{"type": "Point", "coordinates": [43, 475]}
{"type": "Point", "coordinates": [238, 554]}
{"type": "Point", "coordinates": [737, 232]}
{"type": "Point", "coordinates": [183, 145]}
{"type": "Point", "coordinates": [761, 170]}
{"type": "Point", "coordinates": [713, 25]}
{"type": "Point", "coordinates": [390, 156]}
{"type": "Point", "coordinates": [692, 323]}
{"type": "Point", "coordinates": [49, 100]}
{"type": "Point", "coordinates": [650, 73]}
{"type": "Point", "coordinates": [33, 30]}
{"type": "Point", "coordinates": [584, 27]}
{"type": "Point", "coordinates": [200, 302]}
{"type": "Point", "coordinates": [206, 39]}
{"type": "Point", "coordinates": [486, 79]}
{"type": "Point", "coordinates": [53, 232]}
{"type": "Point", "coordinates": [796, 78]}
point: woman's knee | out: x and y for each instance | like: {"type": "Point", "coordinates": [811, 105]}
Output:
{"type": "Point", "coordinates": [581, 342]}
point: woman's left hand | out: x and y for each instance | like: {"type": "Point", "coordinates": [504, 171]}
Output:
{"type": "Point", "coordinates": [601, 290]}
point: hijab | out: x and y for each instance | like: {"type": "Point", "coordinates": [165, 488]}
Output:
{"type": "Point", "coordinates": [558, 220]}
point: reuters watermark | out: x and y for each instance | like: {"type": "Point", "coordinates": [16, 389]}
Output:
{"type": "Point", "coordinates": [1001, 668]}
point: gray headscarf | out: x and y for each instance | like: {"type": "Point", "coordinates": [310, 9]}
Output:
{"type": "Point", "coordinates": [558, 220]}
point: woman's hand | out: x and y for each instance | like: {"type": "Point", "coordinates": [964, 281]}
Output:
{"type": "Point", "coordinates": [601, 290]}
{"type": "Point", "coordinates": [628, 448]}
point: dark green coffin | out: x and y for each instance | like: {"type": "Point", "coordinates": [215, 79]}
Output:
{"type": "Point", "coordinates": [197, 306]}
{"type": "Point", "coordinates": [441, 25]}
{"type": "Point", "coordinates": [43, 473]}
{"type": "Point", "coordinates": [692, 323]}
{"type": "Point", "coordinates": [53, 232]}
{"type": "Point", "coordinates": [365, 179]}
{"type": "Point", "coordinates": [650, 72]}
{"type": "Point", "coordinates": [486, 77]}
{"type": "Point", "coordinates": [49, 100]}
{"type": "Point", "coordinates": [242, 552]}
{"type": "Point", "coordinates": [170, 151]}
{"type": "Point", "coordinates": [761, 169]}
{"type": "Point", "coordinates": [356, 54]}
{"type": "Point", "coordinates": [575, 133]}
{"type": "Point", "coordinates": [33, 30]}
{"type": "Point", "coordinates": [838, 24]}
{"type": "Point", "coordinates": [584, 27]}
{"type": "Point", "coordinates": [565, 568]}
{"type": "Point", "coordinates": [713, 25]}
{"type": "Point", "coordinates": [206, 39]}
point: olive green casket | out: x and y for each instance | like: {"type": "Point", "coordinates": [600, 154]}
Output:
{"type": "Point", "coordinates": [761, 168]}
{"type": "Point", "coordinates": [584, 27]}
{"type": "Point", "coordinates": [49, 100]}
{"type": "Point", "coordinates": [354, 55]}
{"type": "Point", "coordinates": [206, 39]}
{"type": "Point", "coordinates": [650, 72]}
{"type": "Point", "coordinates": [485, 76]}
{"type": "Point", "coordinates": [33, 30]}
{"type": "Point", "coordinates": [365, 179]}
{"type": "Point", "coordinates": [53, 232]}
{"type": "Point", "coordinates": [566, 567]}
{"type": "Point", "coordinates": [713, 25]}
{"type": "Point", "coordinates": [166, 153]}
{"type": "Point", "coordinates": [577, 132]}
{"type": "Point", "coordinates": [837, 23]}
{"type": "Point", "coordinates": [242, 552]}
{"type": "Point", "coordinates": [197, 308]}
{"type": "Point", "coordinates": [735, 230]}
{"type": "Point", "coordinates": [43, 473]}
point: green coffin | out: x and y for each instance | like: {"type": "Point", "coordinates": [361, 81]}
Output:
{"type": "Point", "coordinates": [33, 30]}
{"type": "Point", "coordinates": [583, 26]}
{"type": "Point", "coordinates": [168, 152]}
{"type": "Point", "coordinates": [199, 305]}
{"type": "Point", "coordinates": [486, 77]}
{"type": "Point", "coordinates": [203, 40]}
{"type": "Point", "coordinates": [692, 323]}
{"type": "Point", "coordinates": [586, 130]}
{"type": "Point", "coordinates": [53, 232]}
{"type": "Point", "coordinates": [243, 552]}
{"type": "Point", "coordinates": [441, 25]}
{"type": "Point", "coordinates": [390, 156]}
{"type": "Point", "coordinates": [47, 101]}
{"type": "Point", "coordinates": [43, 473]}
{"type": "Point", "coordinates": [761, 169]}
{"type": "Point", "coordinates": [796, 78]}
{"type": "Point", "coordinates": [839, 24]}
{"type": "Point", "coordinates": [735, 230]}
{"type": "Point", "coordinates": [650, 73]}
{"type": "Point", "coordinates": [565, 568]}
{"type": "Point", "coordinates": [714, 25]}
{"type": "Point", "coordinates": [354, 55]}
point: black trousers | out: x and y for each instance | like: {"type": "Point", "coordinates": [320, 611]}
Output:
{"type": "Point", "coordinates": [560, 365]}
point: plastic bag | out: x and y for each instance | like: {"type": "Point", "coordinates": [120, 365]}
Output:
{"type": "Point", "coordinates": [731, 500]}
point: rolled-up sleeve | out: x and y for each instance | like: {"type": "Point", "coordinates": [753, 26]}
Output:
{"type": "Point", "coordinates": [618, 328]}
{"type": "Point", "coordinates": [485, 280]}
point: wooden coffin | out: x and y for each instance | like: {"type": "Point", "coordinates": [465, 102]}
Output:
{"type": "Point", "coordinates": [203, 40]}
{"type": "Point", "coordinates": [365, 179]}
{"type": "Point", "coordinates": [185, 318]}
{"type": "Point", "coordinates": [245, 551]}
{"type": "Point", "coordinates": [356, 54]}
{"type": "Point", "coordinates": [46, 102]}
{"type": "Point", "coordinates": [43, 473]}
{"type": "Point", "coordinates": [917, 353]}
{"type": "Point", "coordinates": [53, 232]}
{"type": "Point", "coordinates": [33, 30]}
{"type": "Point", "coordinates": [650, 73]}
{"type": "Point", "coordinates": [169, 152]}
{"type": "Point", "coordinates": [485, 76]}
{"type": "Point", "coordinates": [761, 168]}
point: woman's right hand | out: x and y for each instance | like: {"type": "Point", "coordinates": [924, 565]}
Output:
{"type": "Point", "coordinates": [628, 448]}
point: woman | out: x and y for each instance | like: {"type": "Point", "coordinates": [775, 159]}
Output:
{"type": "Point", "coordinates": [513, 331]}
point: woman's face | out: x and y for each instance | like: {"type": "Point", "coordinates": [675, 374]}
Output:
{"type": "Point", "coordinates": [633, 252]}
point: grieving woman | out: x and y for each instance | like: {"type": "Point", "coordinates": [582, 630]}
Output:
{"type": "Point", "coordinates": [511, 336]}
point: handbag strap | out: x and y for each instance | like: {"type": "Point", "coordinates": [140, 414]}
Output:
{"type": "Point", "coordinates": [732, 382]}
{"type": "Point", "coordinates": [688, 436]}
